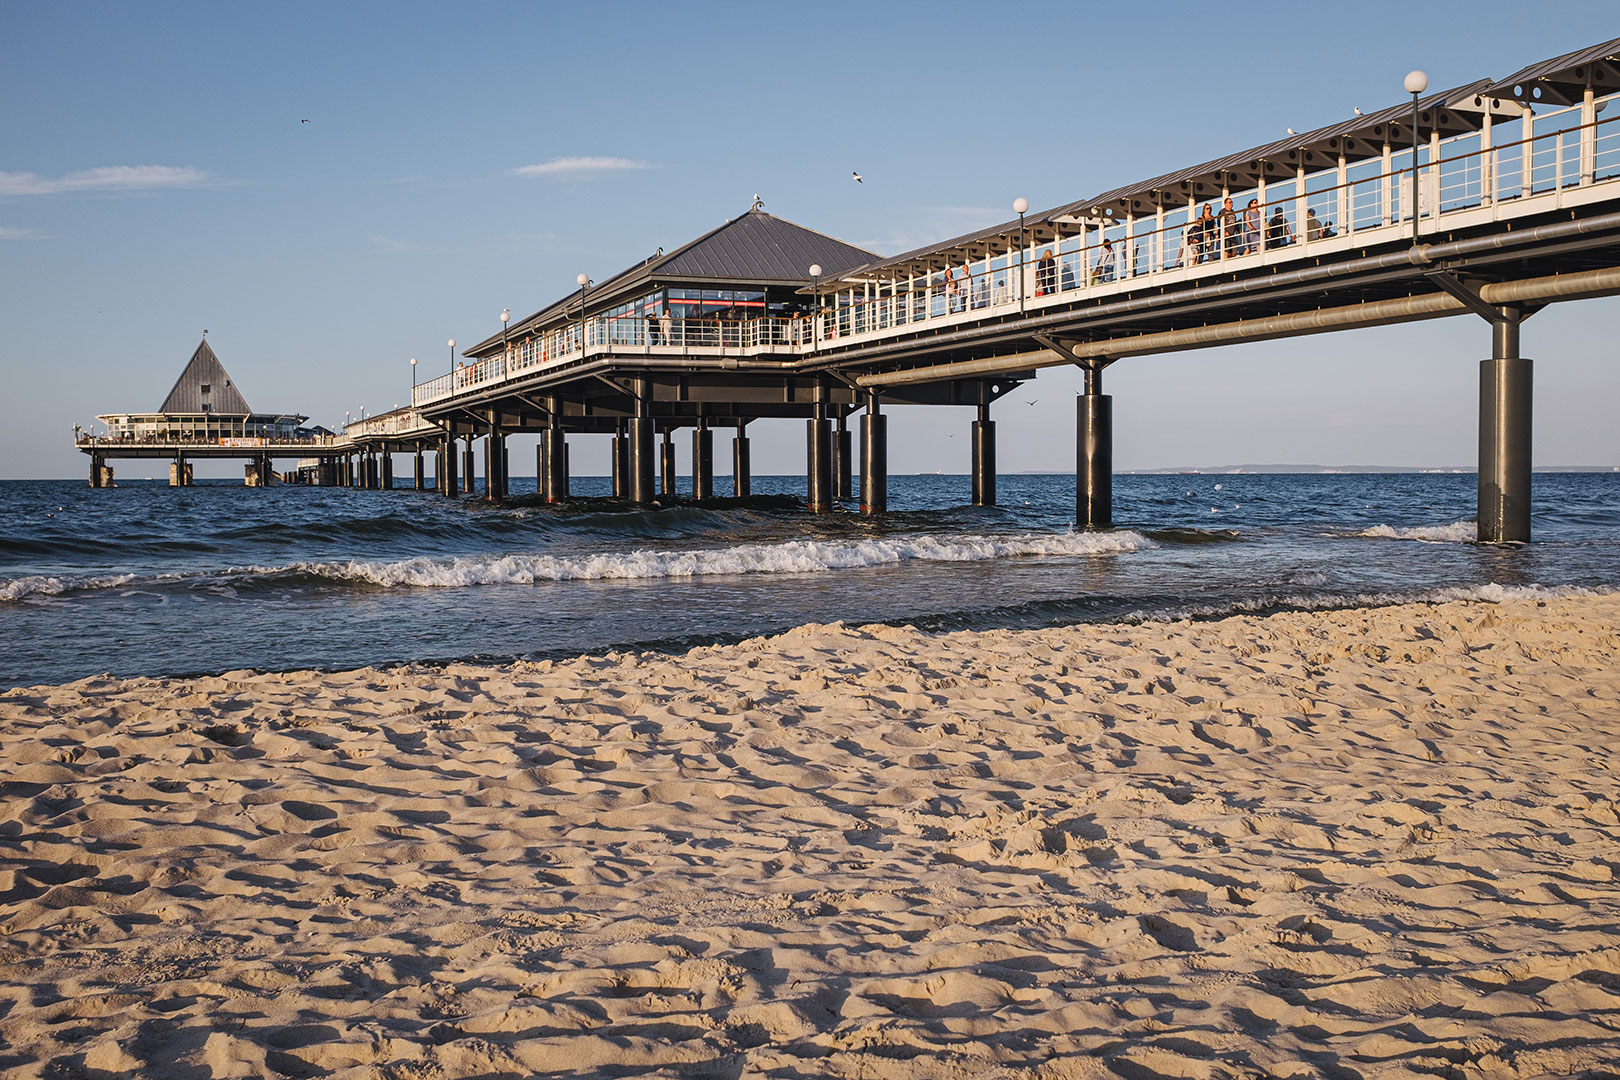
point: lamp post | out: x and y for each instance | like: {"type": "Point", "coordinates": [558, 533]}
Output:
{"type": "Point", "coordinates": [506, 315]}
{"type": "Point", "coordinates": [815, 291]}
{"type": "Point", "coordinates": [413, 380]}
{"type": "Point", "coordinates": [1021, 207]}
{"type": "Point", "coordinates": [1416, 83]}
{"type": "Point", "coordinates": [584, 281]}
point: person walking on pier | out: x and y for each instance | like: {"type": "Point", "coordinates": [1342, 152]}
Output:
{"type": "Point", "coordinates": [1230, 229]}
{"type": "Point", "coordinates": [1252, 220]}
{"type": "Point", "coordinates": [1313, 227]}
{"type": "Point", "coordinates": [1045, 274]}
{"type": "Point", "coordinates": [1278, 234]}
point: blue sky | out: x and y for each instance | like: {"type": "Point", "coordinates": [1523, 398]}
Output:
{"type": "Point", "coordinates": [156, 180]}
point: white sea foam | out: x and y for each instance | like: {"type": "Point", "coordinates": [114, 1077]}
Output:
{"type": "Point", "coordinates": [39, 585]}
{"type": "Point", "coordinates": [1490, 593]}
{"type": "Point", "coordinates": [1458, 532]}
{"type": "Point", "coordinates": [791, 557]}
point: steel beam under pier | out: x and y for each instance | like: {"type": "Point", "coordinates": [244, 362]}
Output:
{"type": "Point", "coordinates": [874, 458]}
{"type": "Point", "coordinates": [1094, 451]}
{"type": "Point", "coordinates": [1504, 435]}
{"type": "Point", "coordinates": [984, 457]}
{"type": "Point", "coordinates": [702, 462]}
{"type": "Point", "coordinates": [742, 484]}
{"type": "Point", "coordinates": [666, 472]}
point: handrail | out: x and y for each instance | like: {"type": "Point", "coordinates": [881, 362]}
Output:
{"type": "Point", "coordinates": [1300, 218]}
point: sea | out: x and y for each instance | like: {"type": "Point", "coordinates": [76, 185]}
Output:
{"type": "Point", "coordinates": [144, 579]}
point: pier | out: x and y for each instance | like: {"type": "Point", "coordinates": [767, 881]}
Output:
{"type": "Point", "coordinates": [1490, 199]}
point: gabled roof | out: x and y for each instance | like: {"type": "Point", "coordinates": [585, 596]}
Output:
{"type": "Point", "coordinates": [752, 248]}
{"type": "Point", "coordinates": [205, 386]}
{"type": "Point", "coordinates": [1563, 79]}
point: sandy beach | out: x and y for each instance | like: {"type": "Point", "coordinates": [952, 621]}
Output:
{"type": "Point", "coordinates": [1358, 843]}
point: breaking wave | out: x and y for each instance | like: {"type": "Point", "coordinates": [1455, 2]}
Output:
{"type": "Point", "coordinates": [790, 557]}
{"type": "Point", "coordinates": [1458, 532]}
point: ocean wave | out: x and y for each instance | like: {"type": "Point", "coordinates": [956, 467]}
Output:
{"type": "Point", "coordinates": [1458, 532]}
{"type": "Point", "coordinates": [790, 557]}
{"type": "Point", "coordinates": [1267, 603]}
{"type": "Point", "coordinates": [41, 585]}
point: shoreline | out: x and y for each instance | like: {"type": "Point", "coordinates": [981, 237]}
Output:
{"type": "Point", "coordinates": [1371, 838]}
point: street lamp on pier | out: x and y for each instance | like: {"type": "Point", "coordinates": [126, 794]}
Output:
{"type": "Point", "coordinates": [584, 281]}
{"type": "Point", "coordinates": [815, 291]}
{"type": "Point", "coordinates": [413, 380]}
{"type": "Point", "coordinates": [1416, 83]}
{"type": "Point", "coordinates": [506, 315]}
{"type": "Point", "coordinates": [1021, 207]}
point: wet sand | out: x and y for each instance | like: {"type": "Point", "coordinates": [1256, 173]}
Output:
{"type": "Point", "coordinates": [1363, 843]}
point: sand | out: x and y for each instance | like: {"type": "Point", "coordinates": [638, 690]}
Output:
{"type": "Point", "coordinates": [1364, 843]}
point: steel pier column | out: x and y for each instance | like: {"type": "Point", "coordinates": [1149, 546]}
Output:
{"type": "Point", "coordinates": [387, 470]}
{"type": "Point", "coordinates": [421, 471]}
{"type": "Point", "coordinates": [95, 471]}
{"type": "Point", "coordinates": [702, 462]}
{"type": "Point", "coordinates": [1504, 435]}
{"type": "Point", "coordinates": [469, 466]}
{"type": "Point", "coordinates": [666, 471]}
{"type": "Point", "coordinates": [621, 462]}
{"type": "Point", "coordinates": [741, 480]}
{"type": "Point", "coordinates": [818, 462]}
{"type": "Point", "coordinates": [1094, 451]}
{"type": "Point", "coordinates": [874, 458]}
{"type": "Point", "coordinates": [554, 442]}
{"type": "Point", "coordinates": [494, 460]}
{"type": "Point", "coordinates": [984, 457]}
{"type": "Point", "coordinates": [642, 490]}
{"type": "Point", "coordinates": [843, 461]}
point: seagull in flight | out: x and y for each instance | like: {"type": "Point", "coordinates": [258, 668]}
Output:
{"type": "Point", "coordinates": [305, 120]}
{"type": "Point", "coordinates": [857, 177]}
{"type": "Point", "coordinates": [1031, 402]}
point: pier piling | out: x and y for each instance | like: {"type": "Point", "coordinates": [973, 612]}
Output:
{"type": "Point", "coordinates": [818, 462]}
{"type": "Point", "coordinates": [843, 463]}
{"type": "Point", "coordinates": [702, 462]}
{"type": "Point", "coordinates": [742, 484]}
{"type": "Point", "coordinates": [984, 454]}
{"type": "Point", "coordinates": [667, 465]}
{"type": "Point", "coordinates": [554, 455]}
{"type": "Point", "coordinates": [1505, 382]}
{"type": "Point", "coordinates": [1094, 451]}
{"type": "Point", "coordinates": [874, 458]}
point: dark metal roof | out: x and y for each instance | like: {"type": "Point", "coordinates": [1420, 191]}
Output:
{"type": "Point", "coordinates": [205, 387]}
{"type": "Point", "coordinates": [752, 248]}
{"type": "Point", "coordinates": [1563, 79]}
{"type": "Point", "coordinates": [1358, 138]}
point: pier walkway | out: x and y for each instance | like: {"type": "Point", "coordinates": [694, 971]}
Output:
{"type": "Point", "coordinates": [1493, 198]}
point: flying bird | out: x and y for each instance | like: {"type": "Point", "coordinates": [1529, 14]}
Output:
{"type": "Point", "coordinates": [305, 120]}
{"type": "Point", "coordinates": [857, 177]}
{"type": "Point", "coordinates": [1031, 402]}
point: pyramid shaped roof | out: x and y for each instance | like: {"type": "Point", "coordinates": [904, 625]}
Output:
{"type": "Point", "coordinates": [754, 247]}
{"type": "Point", "coordinates": [205, 386]}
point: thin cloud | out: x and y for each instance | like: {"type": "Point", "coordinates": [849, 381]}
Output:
{"type": "Point", "coordinates": [574, 168]}
{"type": "Point", "coordinates": [105, 178]}
{"type": "Point", "coordinates": [12, 232]}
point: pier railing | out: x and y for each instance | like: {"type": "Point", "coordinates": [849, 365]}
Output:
{"type": "Point", "coordinates": [1558, 158]}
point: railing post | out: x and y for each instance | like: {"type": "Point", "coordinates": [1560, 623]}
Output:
{"type": "Point", "coordinates": [1588, 137]}
{"type": "Point", "coordinates": [1487, 172]}
{"type": "Point", "coordinates": [1387, 193]}
{"type": "Point", "coordinates": [1301, 234]}
{"type": "Point", "coordinates": [1527, 150]}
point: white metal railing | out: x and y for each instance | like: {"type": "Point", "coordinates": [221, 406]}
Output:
{"type": "Point", "coordinates": [398, 422]}
{"type": "Point", "coordinates": [1553, 152]}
